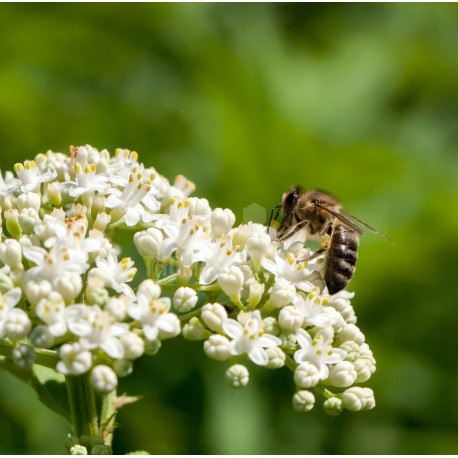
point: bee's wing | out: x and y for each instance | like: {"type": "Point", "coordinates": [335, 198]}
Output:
{"type": "Point", "coordinates": [367, 226]}
{"type": "Point", "coordinates": [343, 219]}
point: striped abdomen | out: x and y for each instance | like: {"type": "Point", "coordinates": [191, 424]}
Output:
{"type": "Point", "coordinates": [341, 258]}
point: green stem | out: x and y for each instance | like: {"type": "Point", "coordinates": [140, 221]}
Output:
{"type": "Point", "coordinates": [46, 358]}
{"type": "Point", "coordinates": [167, 280]}
{"type": "Point", "coordinates": [82, 405]}
{"type": "Point", "coordinates": [290, 363]}
{"type": "Point", "coordinates": [324, 391]}
{"type": "Point", "coordinates": [107, 417]}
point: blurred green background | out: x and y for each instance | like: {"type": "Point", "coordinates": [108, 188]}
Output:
{"type": "Point", "coordinates": [245, 100]}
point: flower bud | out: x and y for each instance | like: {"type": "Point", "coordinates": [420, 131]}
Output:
{"type": "Point", "coordinates": [17, 324]}
{"type": "Point", "coordinates": [12, 222]}
{"type": "Point", "coordinates": [184, 299]}
{"type": "Point", "coordinates": [134, 346]}
{"type": "Point", "coordinates": [101, 221]}
{"type": "Point", "coordinates": [41, 337]}
{"type": "Point", "coordinates": [282, 293]}
{"type": "Point", "coordinates": [214, 315]}
{"type": "Point", "coordinates": [217, 347]}
{"type": "Point", "coordinates": [357, 398]}
{"type": "Point", "coordinates": [75, 360]}
{"type": "Point", "coordinates": [98, 205]}
{"type": "Point", "coordinates": [241, 235]}
{"type": "Point", "coordinates": [199, 207]}
{"type": "Point", "coordinates": [237, 376]}
{"type": "Point", "coordinates": [255, 294]}
{"type": "Point", "coordinates": [352, 349]}
{"type": "Point", "coordinates": [103, 379]}
{"type": "Point", "coordinates": [5, 283]}
{"type": "Point", "coordinates": [152, 347]}
{"type": "Point", "coordinates": [350, 332]}
{"type": "Point", "coordinates": [54, 194]}
{"type": "Point", "coordinates": [333, 406]}
{"type": "Point", "coordinates": [70, 442]}
{"type": "Point", "coordinates": [306, 375]}
{"type": "Point", "coordinates": [194, 330]}
{"type": "Point", "coordinates": [276, 357]}
{"type": "Point", "coordinates": [117, 308]}
{"type": "Point", "coordinates": [221, 221]}
{"type": "Point", "coordinates": [258, 246]}
{"type": "Point", "coordinates": [23, 356]}
{"type": "Point", "coordinates": [123, 367]}
{"type": "Point", "coordinates": [303, 401]}
{"type": "Point", "coordinates": [148, 242]}
{"type": "Point", "coordinates": [271, 326]}
{"type": "Point", "coordinates": [78, 450]}
{"type": "Point", "coordinates": [35, 291]}
{"type": "Point", "coordinates": [29, 200]}
{"type": "Point", "coordinates": [231, 281]}
{"type": "Point", "coordinates": [149, 289]}
{"type": "Point", "coordinates": [69, 285]}
{"type": "Point", "coordinates": [363, 369]}
{"type": "Point", "coordinates": [342, 305]}
{"type": "Point", "coordinates": [290, 318]}
{"type": "Point", "coordinates": [288, 341]}
{"type": "Point", "coordinates": [184, 274]}
{"type": "Point", "coordinates": [342, 374]}
{"type": "Point", "coordinates": [97, 296]}
{"type": "Point", "coordinates": [17, 275]}
{"type": "Point", "coordinates": [27, 219]}
{"type": "Point", "coordinates": [11, 253]}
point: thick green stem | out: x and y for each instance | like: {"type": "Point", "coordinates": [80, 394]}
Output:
{"type": "Point", "coordinates": [82, 405]}
{"type": "Point", "coordinates": [167, 280]}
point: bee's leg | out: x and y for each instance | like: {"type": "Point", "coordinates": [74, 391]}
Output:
{"type": "Point", "coordinates": [313, 255]}
{"type": "Point", "coordinates": [296, 229]}
{"type": "Point", "coordinates": [324, 244]}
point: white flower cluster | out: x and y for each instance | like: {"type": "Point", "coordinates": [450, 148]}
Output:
{"type": "Point", "coordinates": [64, 288]}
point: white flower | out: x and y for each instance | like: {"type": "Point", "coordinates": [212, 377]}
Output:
{"type": "Point", "coordinates": [199, 207]}
{"type": "Point", "coordinates": [133, 345]}
{"type": "Point", "coordinates": [286, 266]}
{"type": "Point", "coordinates": [29, 177]}
{"type": "Point", "coordinates": [184, 299]}
{"type": "Point", "coordinates": [52, 311]}
{"type": "Point", "coordinates": [342, 374]}
{"type": "Point", "coordinates": [103, 379]}
{"type": "Point", "coordinates": [248, 337]}
{"type": "Point", "coordinates": [152, 312]}
{"type": "Point", "coordinates": [117, 273]}
{"type": "Point", "coordinates": [37, 290]}
{"type": "Point", "coordinates": [117, 307]}
{"type": "Point", "coordinates": [313, 309]}
{"type": "Point", "coordinates": [217, 347]}
{"type": "Point", "coordinates": [237, 376]}
{"type": "Point", "coordinates": [5, 183]}
{"type": "Point", "coordinates": [306, 375]}
{"type": "Point", "coordinates": [303, 401]}
{"type": "Point", "coordinates": [318, 351]}
{"type": "Point", "coordinates": [282, 293]}
{"type": "Point", "coordinates": [231, 281]}
{"type": "Point", "coordinates": [218, 256]}
{"type": "Point", "coordinates": [11, 253]}
{"type": "Point", "coordinates": [8, 301]}
{"type": "Point", "coordinates": [87, 181]}
{"type": "Point", "coordinates": [17, 324]}
{"type": "Point", "coordinates": [221, 221]}
{"type": "Point", "coordinates": [98, 329]}
{"type": "Point", "coordinates": [69, 285]}
{"type": "Point", "coordinates": [129, 202]}
{"type": "Point", "coordinates": [340, 301]}
{"type": "Point", "coordinates": [75, 359]}
{"type": "Point", "coordinates": [290, 318]}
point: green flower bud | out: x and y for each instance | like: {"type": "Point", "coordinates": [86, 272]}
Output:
{"type": "Point", "coordinates": [70, 442]}
{"type": "Point", "coordinates": [271, 326]}
{"type": "Point", "coordinates": [90, 441]}
{"type": "Point", "coordinates": [101, 450]}
{"type": "Point", "coordinates": [303, 401]}
{"type": "Point", "coordinates": [12, 222]}
{"type": "Point", "coordinates": [237, 376]}
{"type": "Point", "coordinates": [98, 296]}
{"type": "Point", "coordinates": [5, 284]}
{"type": "Point", "coordinates": [288, 341]}
{"type": "Point", "coordinates": [333, 406]}
{"type": "Point", "coordinates": [152, 347]}
{"type": "Point", "coordinates": [194, 330]}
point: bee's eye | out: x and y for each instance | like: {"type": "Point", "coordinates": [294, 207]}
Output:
{"type": "Point", "coordinates": [291, 199]}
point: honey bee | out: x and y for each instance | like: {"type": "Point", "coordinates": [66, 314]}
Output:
{"type": "Point", "coordinates": [320, 214]}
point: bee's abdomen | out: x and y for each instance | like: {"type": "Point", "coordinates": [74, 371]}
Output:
{"type": "Point", "coordinates": [341, 258]}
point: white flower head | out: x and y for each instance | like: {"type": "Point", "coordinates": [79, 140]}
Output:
{"type": "Point", "coordinates": [318, 351]}
{"type": "Point", "coordinates": [314, 310]}
{"type": "Point", "coordinates": [249, 337]}
{"type": "Point", "coordinates": [117, 274]}
{"type": "Point", "coordinates": [8, 301]}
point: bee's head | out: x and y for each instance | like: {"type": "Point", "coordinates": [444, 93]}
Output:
{"type": "Point", "coordinates": [290, 199]}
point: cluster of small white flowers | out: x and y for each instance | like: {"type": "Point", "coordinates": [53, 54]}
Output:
{"type": "Point", "coordinates": [64, 288]}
